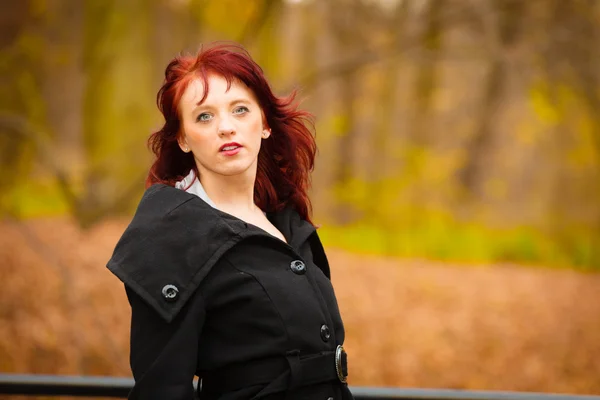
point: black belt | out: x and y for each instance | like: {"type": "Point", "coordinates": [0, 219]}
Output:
{"type": "Point", "coordinates": [280, 373]}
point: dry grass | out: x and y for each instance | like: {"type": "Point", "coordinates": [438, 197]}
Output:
{"type": "Point", "coordinates": [423, 324]}
{"type": "Point", "coordinates": [409, 323]}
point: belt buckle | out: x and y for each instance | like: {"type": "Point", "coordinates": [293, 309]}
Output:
{"type": "Point", "coordinates": [341, 363]}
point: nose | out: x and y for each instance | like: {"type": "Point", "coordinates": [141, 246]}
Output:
{"type": "Point", "coordinates": [226, 126]}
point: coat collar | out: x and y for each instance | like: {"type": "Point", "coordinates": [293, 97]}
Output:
{"type": "Point", "coordinates": [287, 221]}
{"type": "Point", "coordinates": [175, 238]}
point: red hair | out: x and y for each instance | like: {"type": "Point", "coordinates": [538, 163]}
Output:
{"type": "Point", "coordinates": [285, 159]}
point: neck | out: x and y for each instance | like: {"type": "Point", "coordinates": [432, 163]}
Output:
{"type": "Point", "coordinates": [232, 194]}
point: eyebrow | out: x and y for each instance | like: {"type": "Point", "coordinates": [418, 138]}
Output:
{"type": "Point", "coordinates": [231, 103]}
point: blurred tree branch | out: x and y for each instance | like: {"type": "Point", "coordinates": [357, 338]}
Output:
{"type": "Point", "coordinates": [352, 64]}
{"type": "Point", "coordinates": [44, 150]}
{"type": "Point", "coordinates": [85, 214]}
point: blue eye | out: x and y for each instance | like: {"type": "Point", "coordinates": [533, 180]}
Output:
{"type": "Point", "coordinates": [241, 110]}
{"type": "Point", "coordinates": [204, 117]}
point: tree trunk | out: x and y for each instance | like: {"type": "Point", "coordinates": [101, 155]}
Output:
{"type": "Point", "coordinates": [503, 35]}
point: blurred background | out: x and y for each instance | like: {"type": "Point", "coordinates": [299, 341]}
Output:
{"type": "Point", "coordinates": [457, 181]}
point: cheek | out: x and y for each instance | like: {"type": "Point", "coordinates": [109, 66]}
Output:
{"type": "Point", "coordinates": [195, 134]}
{"type": "Point", "coordinates": [256, 128]}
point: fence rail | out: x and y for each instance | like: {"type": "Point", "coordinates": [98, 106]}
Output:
{"type": "Point", "coordinates": [97, 386]}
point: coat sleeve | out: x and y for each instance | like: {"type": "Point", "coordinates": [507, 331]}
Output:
{"type": "Point", "coordinates": [163, 354]}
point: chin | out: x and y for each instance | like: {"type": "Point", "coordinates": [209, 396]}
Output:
{"type": "Point", "coordinates": [231, 173]}
{"type": "Point", "coordinates": [235, 170]}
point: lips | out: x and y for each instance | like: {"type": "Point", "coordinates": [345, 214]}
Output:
{"type": "Point", "coordinates": [230, 146]}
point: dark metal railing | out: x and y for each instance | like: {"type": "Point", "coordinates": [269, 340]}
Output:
{"type": "Point", "coordinates": [96, 386]}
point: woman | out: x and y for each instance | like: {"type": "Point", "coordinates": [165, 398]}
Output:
{"type": "Point", "coordinates": [225, 274]}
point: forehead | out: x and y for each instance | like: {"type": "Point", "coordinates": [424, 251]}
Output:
{"type": "Point", "coordinates": [218, 90]}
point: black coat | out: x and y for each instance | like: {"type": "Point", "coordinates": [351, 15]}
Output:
{"type": "Point", "coordinates": [213, 296]}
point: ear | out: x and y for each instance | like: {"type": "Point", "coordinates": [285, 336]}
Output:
{"type": "Point", "coordinates": [266, 129]}
{"type": "Point", "coordinates": [183, 143]}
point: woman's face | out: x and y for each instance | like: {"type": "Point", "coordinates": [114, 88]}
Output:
{"type": "Point", "coordinates": [224, 132]}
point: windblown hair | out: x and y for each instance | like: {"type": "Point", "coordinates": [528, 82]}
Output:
{"type": "Point", "coordinates": [285, 159]}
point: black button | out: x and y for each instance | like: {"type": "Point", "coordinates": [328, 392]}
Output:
{"type": "Point", "coordinates": [170, 292]}
{"type": "Point", "coordinates": [325, 334]}
{"type": "Point", "coordinates": [298, 267]}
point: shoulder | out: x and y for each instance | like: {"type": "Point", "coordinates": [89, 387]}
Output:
{"type": "Point", "coordinates": [172, 242]}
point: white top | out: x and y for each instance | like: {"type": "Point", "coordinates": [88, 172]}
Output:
{"type": "Point", "coordinates": [191, 184]}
